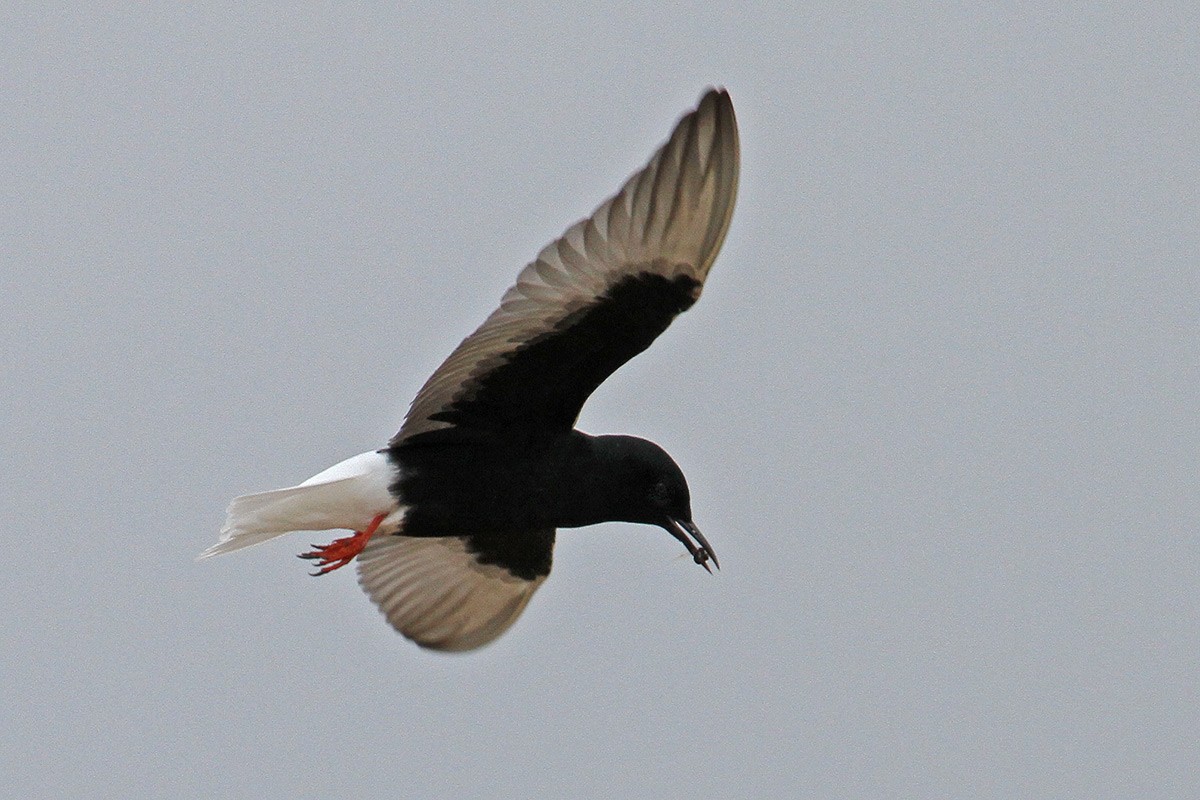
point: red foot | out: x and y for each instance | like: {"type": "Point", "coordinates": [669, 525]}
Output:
{"type": "Point", "coordinates": [341, 552]}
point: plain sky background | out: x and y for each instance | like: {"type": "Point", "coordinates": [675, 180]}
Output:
{"type": "Point", "coordinates": [937, 406]}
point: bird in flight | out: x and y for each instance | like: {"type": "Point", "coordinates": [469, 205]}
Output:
{"type": "Point", "coordinates": [454, 520]}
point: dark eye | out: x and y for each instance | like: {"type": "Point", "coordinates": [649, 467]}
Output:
{"type": "Point", "coordinates": [660, 495]}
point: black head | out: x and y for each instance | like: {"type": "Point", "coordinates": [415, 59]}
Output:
{"type": "Point", "coordinates": [651, 489]}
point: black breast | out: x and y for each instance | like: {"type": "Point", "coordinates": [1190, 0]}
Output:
{"type": "Point", "coordinates": [504, 495]}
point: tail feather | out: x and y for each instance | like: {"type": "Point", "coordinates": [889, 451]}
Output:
{"type": "Point", "coordinates": [347, 495]}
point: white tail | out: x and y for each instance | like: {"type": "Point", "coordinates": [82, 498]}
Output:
{"type": "Point", "coordinates": [347, 495]}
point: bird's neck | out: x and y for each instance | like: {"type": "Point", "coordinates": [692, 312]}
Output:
{"type": "Point", "coordinates": [595, 484]}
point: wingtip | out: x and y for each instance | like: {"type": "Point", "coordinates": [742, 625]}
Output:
{"type": "Point", "coordinates": [716, 96]}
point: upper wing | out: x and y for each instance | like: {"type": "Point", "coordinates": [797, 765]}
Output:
{"type": "Point", "coordinates": [600, 294]}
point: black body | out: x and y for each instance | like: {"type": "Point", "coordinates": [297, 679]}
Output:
{"type": "Point", "coordinates": [510, 492]}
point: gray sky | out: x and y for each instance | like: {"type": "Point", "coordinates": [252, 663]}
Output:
{"type": "Point", "coordinates": [937, 406]}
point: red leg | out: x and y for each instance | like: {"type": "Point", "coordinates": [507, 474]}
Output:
{"type": "Point", "coordinates": [341, 552]}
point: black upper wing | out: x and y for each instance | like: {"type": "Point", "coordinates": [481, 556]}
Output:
{"type": "Point", "coordinates": [599, 295]}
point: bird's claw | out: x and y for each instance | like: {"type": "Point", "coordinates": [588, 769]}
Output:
{"type": "Point", "coordinates": [336, 554]}
{"type": "Point", "coordinates": [341, 552]}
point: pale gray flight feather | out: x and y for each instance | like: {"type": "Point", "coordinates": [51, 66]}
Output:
{"type": "Point", "coordinates": [670, 218]}
{"type": "Point", "coordinates": [434, 591]}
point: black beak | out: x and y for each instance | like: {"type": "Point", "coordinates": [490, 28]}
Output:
{"type": "Point", "coordinates": [701, 551]}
